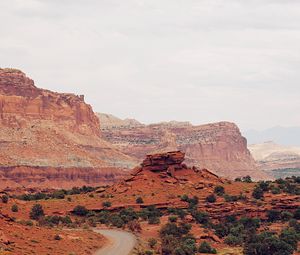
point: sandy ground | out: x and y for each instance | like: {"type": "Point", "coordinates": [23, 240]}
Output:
{"type": "Point", "coordinates": [120, 242]}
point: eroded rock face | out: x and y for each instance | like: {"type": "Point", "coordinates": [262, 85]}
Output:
{"type": "Point", "coordinates": [219, 147]}
{"type": "Point", "coordinates": [50, 138]}
{"type": "Point", "coordinates": [21, 102]}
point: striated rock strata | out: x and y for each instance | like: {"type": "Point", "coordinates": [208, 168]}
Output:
{"type": "Point", "coordinates": [51, 139]}
{"type": "Point", "coordinates": [218, 146]}
{"type": "Point", "coordinates": [277, 160]}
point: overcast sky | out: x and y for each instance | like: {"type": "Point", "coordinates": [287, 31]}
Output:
{"type": "Point", "coordinates": [154, 60]}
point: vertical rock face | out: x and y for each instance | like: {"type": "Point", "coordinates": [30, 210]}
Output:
{"type": "Point", "coordinates": [51, 139]}
{"type": "Point", "coordinates": [219, 147]}
{"type": "Point", "coordinates": [21, 102]}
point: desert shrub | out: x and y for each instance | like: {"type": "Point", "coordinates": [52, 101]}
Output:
{"type": "Point", "coordinates": [229, 198]}
{"type": "Point", "coordinates": [184, 198]}
{"type": "Point", "coordinates": [258, 193]}
{"type": "Point", "coordinates": [201, 217]}
{"type": "Point", "coordinates": [206, 248]}
{"type": "Point", "coordinates": [152, 242]}
{"type": "Point", "coordinates": [273, 215]}
{"type": "Point", "coordinates": [233, 240]}
{"type": "Point", "coordinates": [153, 220]}
{"type": "Point", "coordinates": [211, 198]}
{"type": "Point", "coordinates": [150, 212]}
{"type": "Point", "coordinates": [106, 204]}
{"type": "Point", "coordinates": [128, 214]}
{"type": "Point", "coordinates": [117, 221]}
{"type": "Point", "coordinates": [275, 190]}
{"type": "Point", "coordinates": [297, 214]}
{"type": "Point", "coordinates": [4, 199]}
{"type": "Point", "coordinates": [134, 226]}
{"type": "Point", "coordinates": [172, 218]}
{"type": "Point", "coordinates": [139, 200]}
{"type": "Point", "coordinates": [148, 252]}
{"type": "Point", "coordinates": [247, 179]}
{"type": "Point", "coordinates": [267, 243]}
{"type": "Point", "coordinates": [181, 213]}
{"type": "Point", "coordinates": [14, 208]}
{"type": "Point", "coordinates": [250, 223]}
{"type": "Point", "coordinates": [290, 236]}
{"type": "Point", "coordinates": [219, 190]}
{"type": "Point", "coordinates": [177, 240]}
{"type": "Point", "coordinates": [286, 216]}
{"type": "Point", "coordinates": [57, 237]}
{"type": "Point", "coordinates": [36, 212]}
{"type": "Point", "coordinates": [264, 185]}
{"type": "Point", "coordinates": [80, 210]}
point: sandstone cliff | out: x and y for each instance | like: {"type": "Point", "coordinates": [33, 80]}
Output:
{"type": "Point", "coordinates": [277, 160]}
{"type": "Point", "coordinates": [219, 147]}
{"type": "Point", "coordinates": [50, 138]}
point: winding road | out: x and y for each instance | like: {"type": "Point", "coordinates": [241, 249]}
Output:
{"type": "Point", "coordinates": [120, 242]}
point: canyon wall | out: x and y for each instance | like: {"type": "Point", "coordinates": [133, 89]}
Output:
{"type": "Point", "coordinates": [50, 138]}
{"type": "Point", "coordinates": [219, 147]}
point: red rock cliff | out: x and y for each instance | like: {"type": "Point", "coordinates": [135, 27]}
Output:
{"type": "Point", "coordinates": [219, 147]}
{"type": "Point", "coordinates": [21, 102]}
{"type": "Point", "coordinates": [51, 139]}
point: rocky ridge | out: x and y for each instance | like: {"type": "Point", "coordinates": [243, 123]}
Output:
{"type": "Point", "coordinates": [219, 147]}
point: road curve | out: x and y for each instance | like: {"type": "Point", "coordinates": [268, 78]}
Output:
{"type": "Point", "coordinates": [120, 242]}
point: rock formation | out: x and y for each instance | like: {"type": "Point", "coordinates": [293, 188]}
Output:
{"type": "Point", "coordinates": [277, 160]}
{"type": "Point", "coordinates": [51, 139]}
{"type": "Point", "coordinates": [219, 147]}
{"type": "Point", "coordinates": [161, 177]}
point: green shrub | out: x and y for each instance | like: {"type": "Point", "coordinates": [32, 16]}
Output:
{"type": "Point", "coordinates": [14, 208]}
{"type": "Point", "coordinates": [36, 212]}
{"type": "Point", "coordinates": [153, 220]}
{"type": "Point", "coordinates": [201, 217]}
{"type": "Point", "coordinates": [273, 215]}
{"type": "Point", "coordinates": [206, 248]}
{"type": "Point", "coordinates": [297, 214]}
{"type": "Point", "coordinates": [106, 204]}
{"type": "Point", "coordinates": [152, 242]}
{"type": "Point", "coordinates": [286, 216]}
{"type": "Point", "coordinates": [80, 210]}
{"type": "Point", "coordinates": [4, 199]}
{"type": "Point", "coordinates": [219, 190]}
{"type": "Point", "coordinates": [172, 218]}
{"type": "Point", "coordinates": [211, 198]}
{"type": "Point", "coordinates": [139, 200]}
{"type": "Point", "coordinates": [258, 193]}
{"type": "Point", "coordinates": [233, 240]}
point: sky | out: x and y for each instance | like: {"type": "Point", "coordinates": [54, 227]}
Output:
{"type": "Point", "coordinates": [158, 60]}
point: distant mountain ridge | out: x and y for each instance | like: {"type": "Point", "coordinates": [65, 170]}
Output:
{"type": "Point", "coordinates": [277, 160]}
{"type": "Point", "coordinates": [280, 135]}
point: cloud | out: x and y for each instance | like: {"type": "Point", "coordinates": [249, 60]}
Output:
{"type": "Point", "coordinates": [197, 60]}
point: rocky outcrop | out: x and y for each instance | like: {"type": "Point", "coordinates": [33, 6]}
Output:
{"type": "Point", "coordinates": [277, 160]}
{"type": "Point", "coordinates": [166, 176]}
{"type": "Point", "coordinates": [218, 146]}
{"type": "Point", "coordinates": [50, 138]}
{"type": "Point", "coordinates": [21, 102]}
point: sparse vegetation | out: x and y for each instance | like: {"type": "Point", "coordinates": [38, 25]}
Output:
{"type": "Point", "coordinates": [36, 212]}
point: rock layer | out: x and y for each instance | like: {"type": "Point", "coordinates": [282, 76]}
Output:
{"type": "Point", "coordinates": [219, 147]}
{"type": "Point", "coordinates": [50, 138]}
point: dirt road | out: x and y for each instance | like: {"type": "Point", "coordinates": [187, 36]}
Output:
{"type": "Point", "coordinates": [120, 242]}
